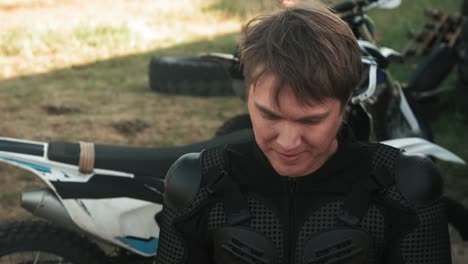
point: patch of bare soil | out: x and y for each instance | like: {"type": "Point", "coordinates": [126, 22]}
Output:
{"type": "Point", "coordinates": [60, 110]}
{"type": "Point", "coordinates": [130, 128]}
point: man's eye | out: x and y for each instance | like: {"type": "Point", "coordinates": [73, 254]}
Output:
{"type": "Point", "coordinates": [270, 117]}
{"type": "Point", "coordinates": [311, 121]}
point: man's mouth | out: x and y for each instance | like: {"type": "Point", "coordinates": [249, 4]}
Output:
{"type": "Point", "coordinates": [287, 157]}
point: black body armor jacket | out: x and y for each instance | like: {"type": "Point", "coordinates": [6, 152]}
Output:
{"type": "Point", "coordinates": [369, 203]}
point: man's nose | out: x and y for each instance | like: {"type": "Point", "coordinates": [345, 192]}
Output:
{"type": "Point", "coordinates": [289, 137]}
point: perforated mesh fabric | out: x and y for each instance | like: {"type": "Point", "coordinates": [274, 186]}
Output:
{"type": "Point", "coordinates": [320, 220]}
{"type": "Point", "coordinates": [212, 158]}
{"type": "Point", "coordinates": [170, 247]}
{"type": "Point", "coordinates": [374, 223]}
{"type": "Point", "coordinates": [216, 217]}
{"type": "Point", "coordinates": [384, 157]}
{"type": "Point", "coordinates": [264, 221]}
{"type": "Point", "coordinates": [325, 218]}
{"type": "Point", "coordinates": [394, 194]}
{"type": "Point", "coordinates": [429, 242]}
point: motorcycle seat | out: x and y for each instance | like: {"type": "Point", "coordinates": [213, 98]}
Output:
{"type": "Point", "coordinates": [140, 161]}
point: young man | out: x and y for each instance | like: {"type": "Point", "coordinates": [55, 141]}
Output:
{"type": "Point", "coordinates": [301, 190]}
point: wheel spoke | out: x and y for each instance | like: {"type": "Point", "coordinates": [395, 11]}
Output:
{"type": "Point", "coordinates": [36, 257]}
{"type": "Point", "coordinates": [37, 242]}
{"type": "Point", "coordinates": [33, 257]}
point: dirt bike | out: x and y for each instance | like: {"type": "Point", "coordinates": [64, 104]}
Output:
{"type": "Point", "coordinates": [389, 113]}
{"type": "Point", "coordinates": [220, 74]}
{"type": "Point", "coordinates": [100, 200]}
{"type": "Point", "coordinates": [381, 113]}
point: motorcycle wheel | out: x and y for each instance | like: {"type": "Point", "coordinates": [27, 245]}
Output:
{"type": "Point", "coordinates": [432, 71]}
{"type": "Point", "coordinates": [189, 76]}
{"type": "Point", "coordinates": [233, 124]}
{"type": "Point", "coordinates": [39, 242]}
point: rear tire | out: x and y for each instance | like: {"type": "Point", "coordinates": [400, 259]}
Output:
{"type": "Point", "coordinates": [189, 76]}
{"type": "Point", "coordinates": [431, 72]}
{"type": "Point", "coordinates": [41, 242]}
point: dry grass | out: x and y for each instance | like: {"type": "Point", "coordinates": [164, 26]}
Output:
{"type": "Point", "coordinates": [37, 39]}
{"type": "Point", "coordinates": [77, 70]}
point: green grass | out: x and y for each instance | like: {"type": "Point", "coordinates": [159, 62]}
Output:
{"type": "Point", "coordinates": [449, 126]}
{"type": "Point", "coordinates": [409, 17]}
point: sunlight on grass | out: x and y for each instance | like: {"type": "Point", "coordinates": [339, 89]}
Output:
{"type": "Point", "coordinates": [243, 8]}
{"type": "Point", "coordinates": [12, 4]}
{"type": "Point", "coordinates": [52, 40]}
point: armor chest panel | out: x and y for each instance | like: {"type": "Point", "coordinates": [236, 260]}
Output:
{"type": "Point", "coordinates": [269, 240]}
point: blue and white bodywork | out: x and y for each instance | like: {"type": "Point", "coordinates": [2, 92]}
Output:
{"type": "Point", "coordinates": [124, 222]}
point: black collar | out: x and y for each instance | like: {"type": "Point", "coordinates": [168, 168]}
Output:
{"type": "Point", "coordinates": [252, 169]}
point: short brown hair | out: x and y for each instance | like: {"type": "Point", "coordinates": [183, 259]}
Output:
{"type": "Point", "coordinates": [307, 47]}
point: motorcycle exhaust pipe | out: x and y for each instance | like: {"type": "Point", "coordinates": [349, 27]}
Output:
{"type": "Point", "coordinates": [45, 204]}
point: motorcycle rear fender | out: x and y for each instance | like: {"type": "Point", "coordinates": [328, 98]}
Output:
{"type": "Point", "coordinates": [415, 145]}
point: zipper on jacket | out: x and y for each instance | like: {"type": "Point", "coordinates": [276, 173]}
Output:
{"type": "Point", "coordinates": [292, 218]}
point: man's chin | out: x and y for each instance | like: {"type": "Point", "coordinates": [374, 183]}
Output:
{"type": "Point", "coordinates": [289, 171]}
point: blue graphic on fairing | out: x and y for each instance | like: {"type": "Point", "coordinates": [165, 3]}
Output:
{"type": "Point", "coordinates": [31, 165]}
{"type": "Point", "coordinates": [148, 247]}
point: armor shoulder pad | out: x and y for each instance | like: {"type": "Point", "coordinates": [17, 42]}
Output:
{"type": "Point", "coordinates": [182, 182]}
{"type": "Point", "coordinates": [417, 179]}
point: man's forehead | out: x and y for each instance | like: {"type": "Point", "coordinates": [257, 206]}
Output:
{"type": "Point", "coordinates": [272, 92]}
{"type": "Point", "coordinates": [288, 104]}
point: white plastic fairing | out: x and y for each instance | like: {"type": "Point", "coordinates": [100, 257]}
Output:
{"type": "Point", "coordinates": [389, 4]}
{"type": "Point", "coordinates": [117, 219]}
{"type": "Point", "coordinates": [124, 222]}
{"type": "Point", "coordinates": [416, 145]}
{"type": "Point", "coordinates": [370, 90]}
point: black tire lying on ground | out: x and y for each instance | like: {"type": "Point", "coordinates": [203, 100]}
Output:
{"type": "Point", "coordinates": [189, 76]}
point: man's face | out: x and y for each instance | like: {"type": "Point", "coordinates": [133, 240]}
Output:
{"type": "Point", "coordinates": [297, 139]}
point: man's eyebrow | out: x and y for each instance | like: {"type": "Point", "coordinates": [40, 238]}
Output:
{"type": "Point", "coordinates": [310, 118]}
{"type": "Point", "coordinates": [313, 118]}
{"type": "Point", "coordinates": [265, 110]}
